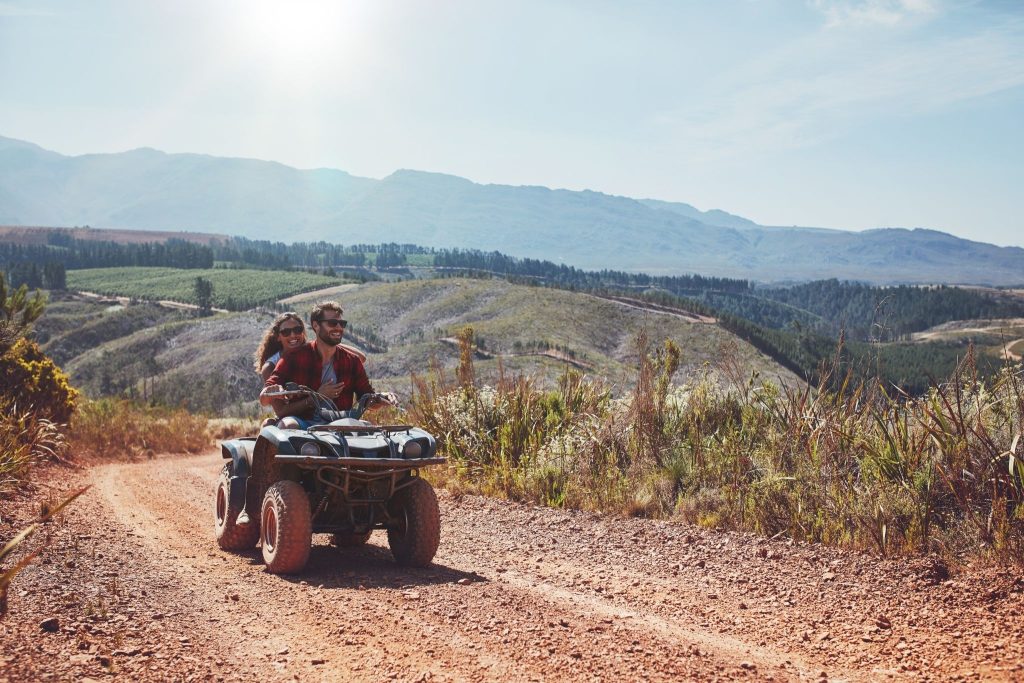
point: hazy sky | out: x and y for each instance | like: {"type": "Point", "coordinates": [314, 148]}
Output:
{"type": "Point", "coordinates": [839, 113]}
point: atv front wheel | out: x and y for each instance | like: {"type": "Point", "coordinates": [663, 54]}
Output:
{"type": "Point", "coordinates": [231, 536]}
{"type": "Point", "coordinates": [416, 532]}
{"type": "Point", "coordinates": [286, 528]}
{"type": "Point", "coordinates": [350, 539]}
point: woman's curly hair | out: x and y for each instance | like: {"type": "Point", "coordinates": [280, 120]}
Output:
{"type": "Point", "coordinates": [270, 344]}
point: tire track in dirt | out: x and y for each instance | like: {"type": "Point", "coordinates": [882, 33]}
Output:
{"type": "Point", "coordinates": [516, 593]}
{"type": "Point", "coordinates": [507, 625]}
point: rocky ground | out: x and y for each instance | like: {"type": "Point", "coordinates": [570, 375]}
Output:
{"type": "Point", "coordinates": [131, 586]}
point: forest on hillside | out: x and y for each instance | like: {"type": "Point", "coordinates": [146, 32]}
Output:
{"type": "Point", "coordinates": [799, 326]}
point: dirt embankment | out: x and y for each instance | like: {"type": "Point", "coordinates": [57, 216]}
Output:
{"type": "Point", "coordinates": [132, 587]}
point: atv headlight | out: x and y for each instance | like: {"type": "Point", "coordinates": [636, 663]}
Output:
{"type": "Point", "coordinates": [412, 449]}
{"type": "Point", "coordinates": [309, 449]}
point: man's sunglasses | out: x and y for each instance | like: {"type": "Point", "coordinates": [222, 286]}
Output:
{"type": "Point", "coordinates": [334, 322]}
{"type": "Point", "coordinates": [289, 331]}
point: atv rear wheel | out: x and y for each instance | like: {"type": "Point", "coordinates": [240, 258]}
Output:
{"type": "Point", "coordinates": [350, 539]}
{"type": "Point", "coordinates": [286, 528]}
{"type": "Point", "coordinates": [230, 535]}
{"type": "Point", "coordinates": [416, 533]}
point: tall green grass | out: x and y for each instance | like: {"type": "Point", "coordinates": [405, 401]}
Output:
{"type": "Point", "coordinates": [843, 463]}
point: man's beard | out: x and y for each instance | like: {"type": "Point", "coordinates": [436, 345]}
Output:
{"type": "Point", "coordinates": [322, 336]}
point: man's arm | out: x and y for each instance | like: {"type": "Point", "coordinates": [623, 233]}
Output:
{"type": "Point", "coordinates": [361, 385]}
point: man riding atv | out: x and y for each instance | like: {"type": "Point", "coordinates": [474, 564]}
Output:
{"type": "Point", "coordinates": [322, 365]}
{"type": "Point", "coordinates": [322, 470]}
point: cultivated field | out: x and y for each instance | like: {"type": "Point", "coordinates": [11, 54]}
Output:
{"type": "Point", "coordinates": [232, 289]}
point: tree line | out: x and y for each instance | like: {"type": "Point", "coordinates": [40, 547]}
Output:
{"type": "Point", "coordinates": [863, 312]}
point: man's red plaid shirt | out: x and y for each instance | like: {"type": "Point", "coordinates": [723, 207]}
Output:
{"type": "Point", "coordinates": [303, 366]}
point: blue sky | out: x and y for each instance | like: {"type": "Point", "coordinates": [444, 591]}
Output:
{"type": "Point", "coordinates": [839, 113]}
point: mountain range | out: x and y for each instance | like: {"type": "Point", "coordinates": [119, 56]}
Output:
{"type": "Point", "coordinates": [145, 189]}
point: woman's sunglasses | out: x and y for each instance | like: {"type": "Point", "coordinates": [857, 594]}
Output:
{"type": "Point", "coordinates": [289, 331]}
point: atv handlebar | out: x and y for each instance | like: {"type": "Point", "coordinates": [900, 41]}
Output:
{"type": "Point", "coordinates": [323, 403]}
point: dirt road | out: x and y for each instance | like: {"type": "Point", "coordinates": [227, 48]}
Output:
{"type": "Point", "coordinates": [138, 590]}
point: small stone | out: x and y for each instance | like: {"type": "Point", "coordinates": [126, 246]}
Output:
{"type": "Point", "coordinates": [701, 564]}
{"type": "Point", "coordinates": [51, 625]}
{"type": "Point", "coordinates": [463, 582]}
{"type": "Point", "coordinates": [318, 662]}
{"type": "Point", "coordinates": [882, 621]}
{"type": "Point", "coordinates": [823, 636]}
{"type": "Point", "coordinates": [411, 595]}
{"type": "Point", "coordinates": [234, 597]}
{"type": "Point", "coordinates": [743, 605]}
{"type": "Point", "coordinates": [747, 665]}
{"type": "Point", "coordinates": [828, 576]}
{"type": "Point", "coordinates": [283, 651]}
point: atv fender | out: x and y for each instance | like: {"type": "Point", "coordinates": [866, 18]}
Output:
{"type": "Point", "coordinates": [257, 454]}
{"type": "Point", "coordinates": [278, 438]}
{"type": "Point", "coordinates": [239, 451]}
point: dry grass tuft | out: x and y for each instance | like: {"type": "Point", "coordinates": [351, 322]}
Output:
{"type": "Point", "coordinates": [122, 429]}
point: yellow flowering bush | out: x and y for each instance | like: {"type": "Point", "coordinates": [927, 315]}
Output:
{"type": "Point", "coordinates": [32, 381]}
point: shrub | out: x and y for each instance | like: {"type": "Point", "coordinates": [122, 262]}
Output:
{"type": "Point", "coordinates": [35, 381]}
{"type": "Point", "coordinates": [852, 466]}
{"type": "Point", "coordinates": [25, 438]}
{"type": "Point", "coordinates": [119, 428]}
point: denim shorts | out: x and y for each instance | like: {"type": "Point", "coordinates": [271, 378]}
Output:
{"type": "Point", "coordinates": [306, 424]}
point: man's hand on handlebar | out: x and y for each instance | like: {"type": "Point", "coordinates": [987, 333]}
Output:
{"type": "Point", "coordinates": [374, 401]}
{"type": "Point", "coordinates": [279, 394]}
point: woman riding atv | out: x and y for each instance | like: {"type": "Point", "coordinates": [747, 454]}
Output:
{"type": "Point", "coordinates": [324, 365]}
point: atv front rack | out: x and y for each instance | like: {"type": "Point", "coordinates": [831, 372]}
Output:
{"type": "Point", "coordinates": [355, 429]}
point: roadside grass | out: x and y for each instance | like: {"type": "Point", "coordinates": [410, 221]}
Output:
{"type": "Point", "coordinates": [26, 438]}
{"type": "Point", "coordinates": [861, 467]}
{"type": "Point", "coordinates": [121, 429]}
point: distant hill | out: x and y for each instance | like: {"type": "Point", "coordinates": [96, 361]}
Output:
{"type": "Point", "coordinates": [145, 189]}
{"type": "Point", "coordinates": [207, 362]}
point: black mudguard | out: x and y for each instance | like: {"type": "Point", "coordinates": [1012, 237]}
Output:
{"type": "Point", "coordinates": [239, 451]}
{"type": "Point", "coordinates": [251, 466]}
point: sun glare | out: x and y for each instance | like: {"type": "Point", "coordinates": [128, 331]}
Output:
{"type": "Point", "coordinates": [294, 34]}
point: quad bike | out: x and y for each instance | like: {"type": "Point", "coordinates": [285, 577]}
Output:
{"type": "Point", "coordinates": [345, 478]}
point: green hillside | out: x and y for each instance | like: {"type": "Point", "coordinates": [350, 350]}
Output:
{"type": "Point", "coordinates": [233, 289]}
{"type": "Point", "coordinates": [207, 362]}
